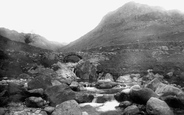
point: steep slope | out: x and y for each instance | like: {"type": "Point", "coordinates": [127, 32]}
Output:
{"type": "Point", "coordinates": [34, 39]}
{"type": "Point", "coordinates": [132, 23]}
{"type": "Point", "coordinates": [16, 57]}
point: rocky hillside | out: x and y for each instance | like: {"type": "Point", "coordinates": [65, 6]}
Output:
{"type": "Point", "coordinates": [31, 39]}
{"type": "Point", "coordinates": [133, 23]}
{"type": "Point", "coordinates": [17, 58]}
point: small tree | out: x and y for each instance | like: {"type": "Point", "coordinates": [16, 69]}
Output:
{"type": "Point", "coordinates": [28, 38]}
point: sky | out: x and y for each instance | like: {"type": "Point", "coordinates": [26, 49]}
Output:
{"type": "Point", "coordinates": [64, 20]}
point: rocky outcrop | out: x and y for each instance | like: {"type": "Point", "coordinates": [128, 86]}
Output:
{"type": "Point", "coordinates": [156, 106]}
{"type": "Point", "coordinates": [70, 107]}
{"type": "Point", "coordinates": [86, 71]}
{"type": "Point", "coordinates": [65, 74]}
{"type": "Point", "coordinates": [60, 93]}
{"type": "Point", "coordinates": [40, 81]}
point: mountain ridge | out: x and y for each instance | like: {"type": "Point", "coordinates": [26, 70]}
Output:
{"type": "Point", "coordinates": [32, 39]}
{"type": "Point", "coordinates": [132, 22]}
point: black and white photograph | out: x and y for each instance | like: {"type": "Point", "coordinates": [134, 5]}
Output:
{"type": "Point", "coordinates": [91, 57]}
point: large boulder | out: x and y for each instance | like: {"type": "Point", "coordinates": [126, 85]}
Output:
{"type": "Point", "coordinates": [141, 95]}
{"type": "Point", "coordinates": [86, 71]}
{"type": "Point", "coordinates": [70, 107]}
{"type": "Point", "coordinates": [60, 93]}
{"type": "Point", "coordinates": [40, 81]}
{"type": "Point", "coordinates": [172, 95]}
{"type": "Point", "coordinates": [156, 106]}
{"type": "Point", "coordinates": [65, 74]}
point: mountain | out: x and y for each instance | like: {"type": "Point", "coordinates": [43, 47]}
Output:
{"type": "Point", "coordinates": [31, 39]}
{"type": "Point", "coordinates": [135, 38]}
{"type": "Point", "coordinates": [132, 23]}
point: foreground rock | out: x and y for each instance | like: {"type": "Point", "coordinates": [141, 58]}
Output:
{"type": "Point", "coordinates": [172, 95]}
{"type": "Point", "coordinates": [60, 93]}
{"type": "Point", "coordinates": [141, 95]}
{"type": "Point", "coordinates": [156, 106]}
{"type": "Point", "coordinates": [70, 107]}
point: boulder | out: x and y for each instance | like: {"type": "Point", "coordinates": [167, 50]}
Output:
{"type": "Point", "coordinates": [49, 109]}
{"type": "Point", "coordinates": [105, 85]}
{"type": "Point", "coordinates": [153, 84]}
{"type": "Point", "coordinates": [122, 96]}
{"type": "Point", "coordinates": [86, 71]}
{"type": "Point", "coordinates": [108, 77]}
{"type": "Point", "coordinates": [82, 97]}
{"type": "Point", "coordinates": [56, 82]}
{"type": "Point", "coordinates": [125, 104]}
{"type": "Point", "coordinates": [131, 110]}
{"type": "Point", "coordinates": [11, 92]}
{"type": "Point", "coordinates": [124, 79]}
{"type": "Point", "coordinates": [36, 92]}
{"type": "Point", "coordinates": [156, 106]}
{"type": "Point", "coordinates": [59, 93]}
{"type": "Point", "coordinates": [70, 107]}
{"type": "Point", "coordinates": [141, 95]}
{"type": "Point", "coordinates": [35, 102]}
{"type": "Point", "coordinates": [164, 89]}
{"type": "Point", "coordinates": [40, 81]}
{"type": "Point", "coordinates": [75, 86]}
{"type": "Point", "coordinates": [173, 101]}
{"type": "Point", "coordinates": [64, 73]}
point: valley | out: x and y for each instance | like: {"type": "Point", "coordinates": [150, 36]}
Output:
{"type": "Point", "coordinates": [130, 64]}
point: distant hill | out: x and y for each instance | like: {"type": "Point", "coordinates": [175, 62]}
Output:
{"type": "Point", "coordinates": [132, 23]}
{"type": "Point", "coordinates": [31, 39]}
